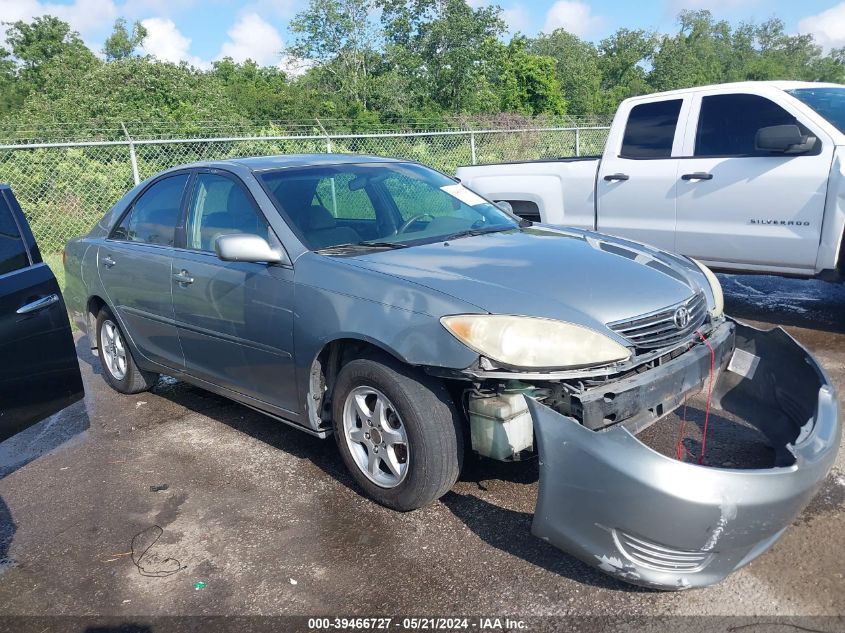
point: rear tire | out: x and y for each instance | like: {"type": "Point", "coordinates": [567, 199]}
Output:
{"type": "Point", "coordinates": [119, 368]}
{"type": "Point", "coordinates": [379, 405]}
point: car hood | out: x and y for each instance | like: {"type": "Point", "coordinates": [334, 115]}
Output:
{"type": "Point", "coordinates": [570, 275]}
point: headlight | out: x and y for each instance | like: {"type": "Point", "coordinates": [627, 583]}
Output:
{"type": "Point", "coordinates": [716, 287]}
{"type": "Point", "coordinates": [534, 342]}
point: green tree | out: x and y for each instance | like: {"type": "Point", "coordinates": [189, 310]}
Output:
{"type": "Point", "coordinates": [131, 90]}
{"type": "Point", "coordinates": [529, 82]}
{"type": "Point", "coordinates": [697, 55]}
{"type": "Point", "coordinates": [623, 59]}
{"type": "Point", "coordinates": [339, 37]}
{"type": "Point", "coordinates": [447, 50]}
{"type": "Point", "coordinates": [577, 67]}
{"type": "Point", "coordinates": [121, 43]}
{"type": "Point", "coordinates": [37, 44]}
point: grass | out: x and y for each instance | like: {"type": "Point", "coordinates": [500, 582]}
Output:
{"type": "Point", "coordinates": [54, 261]}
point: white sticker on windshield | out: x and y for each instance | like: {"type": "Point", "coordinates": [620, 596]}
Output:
{"type": "Point", "coordinates": [463, 194]}
{"type": "Point", "coordinates": [744, 364]}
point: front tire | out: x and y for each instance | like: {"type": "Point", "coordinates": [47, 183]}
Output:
{"type": "Point", "coordinates": [119, 368]}
{"type": "Point", "coordinates": [397, 431]}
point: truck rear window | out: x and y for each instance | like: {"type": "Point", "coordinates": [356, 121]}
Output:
{"type": "Point", "coordinates": [650, 131]}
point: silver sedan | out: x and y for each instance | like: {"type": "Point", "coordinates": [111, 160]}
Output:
{"type": "Point", "coordinates": [386, 304]}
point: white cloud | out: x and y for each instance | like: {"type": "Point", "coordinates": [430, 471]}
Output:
{"type": "Point", "coordinates": [166, 42]}
{"type": "Point", "coordinates": [86, 16]}
{"type": "Point", "coordinates": [827, 27]}
{"type": "Point", "coordinates": [516, 18]}
{"type": "Point", "coordinates": [135, 9]}
{"type": "Point", "coordinates": [252, 37]}
{"type": "Point", "coordinates": [576, 17]}
{"type": "Point", "coordinates": [715, 6]}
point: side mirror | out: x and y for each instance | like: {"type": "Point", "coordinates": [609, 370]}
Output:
{"type": "Point", "coordinates": [245, 248]}
{"type": "Point", "coordinates": [504, 205]}
{"type": "Point", "coordinates": [783, 138]}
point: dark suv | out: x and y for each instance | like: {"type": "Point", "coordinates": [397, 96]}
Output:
{"type": "Point", "coordinates": [39, 371]}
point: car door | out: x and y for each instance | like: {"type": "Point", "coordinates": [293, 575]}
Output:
{"type": "Point", "coordinates": [235, 319]}
{"type": "Point", "coordinates": [637, 179]}
{"type": "Point", "coordinates": [39, 371]}
{"type": "Point", "coordinates": [135, 268]}
{"type": "Point", "coordinates": [738, 204]}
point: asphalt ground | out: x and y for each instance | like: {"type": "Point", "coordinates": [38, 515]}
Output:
{"type": "Point", "coordinates": [259, 519]}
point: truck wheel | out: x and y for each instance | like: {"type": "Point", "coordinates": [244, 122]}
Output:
{"type": "Point", "coordinates": [397, 431]}
{"type": "Point", "coordinates": [119, 368]}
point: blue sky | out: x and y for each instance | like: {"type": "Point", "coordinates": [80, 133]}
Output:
{"type": "Point", "coordinates": [200, 31]}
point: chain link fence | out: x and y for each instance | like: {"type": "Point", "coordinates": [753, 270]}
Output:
{"type": "Point", "coordinates": [64, 188]}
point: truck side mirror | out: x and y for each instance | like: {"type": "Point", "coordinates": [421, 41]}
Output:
{"type": "Point", "coordinates": [783, 138]}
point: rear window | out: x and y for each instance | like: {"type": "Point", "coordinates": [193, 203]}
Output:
{"type": "Point", "coordinates": [12, 249]}
{"type": "Point", "coordinates": [650, 130]}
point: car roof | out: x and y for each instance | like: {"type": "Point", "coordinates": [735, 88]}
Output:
{"type": "Point", "coordinates": [741, 85]}
{"type": "Point", "coordinates": [280, 161]}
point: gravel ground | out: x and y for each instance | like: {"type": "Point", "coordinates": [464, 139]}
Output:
{"type": "Point", "coordinates": [268, 520]}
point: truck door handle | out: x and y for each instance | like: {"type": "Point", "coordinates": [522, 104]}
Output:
{"type": "Point", "coordinates": [183, 278]}
{"type": "Point", "coordinates": [699, 175]}
{"type": "Point", "coordinates": [108, 262]}
{"type": "Point", "coordinates": [611, 177]}
{"type": "Point", "coordinates": [38, 304]}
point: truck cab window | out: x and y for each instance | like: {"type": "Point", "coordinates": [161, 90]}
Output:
{"type": "Point", "coordinates": [728, 124]}
{"type": "Point", "coordinates": [650, 130]}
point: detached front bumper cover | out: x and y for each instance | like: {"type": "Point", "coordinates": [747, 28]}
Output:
{"type": "Point", "coordinates": [651, 520]}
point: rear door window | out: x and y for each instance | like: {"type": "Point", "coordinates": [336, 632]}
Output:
{"type": "Point", "coordinates": [154, 215]}
{"type": "Point", "coordinates": [13, 254]}
{"type": "Point", "coordinates": [650, 130]}
{"type": "Point", "coordinates": [728, 124]}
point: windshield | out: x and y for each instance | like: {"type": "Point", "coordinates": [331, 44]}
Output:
{"type": "Point", "coordinates": [378, 205]}
{"type": "Point", "coordinates": [829, 102]}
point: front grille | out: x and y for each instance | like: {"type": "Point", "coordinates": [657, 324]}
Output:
{"type": "Point", "coordinates": [659, 557]}
{"type": "Point", "coordinates": [658, 329]}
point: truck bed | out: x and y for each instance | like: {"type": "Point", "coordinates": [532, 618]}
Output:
{"type": "Point", "coordinates": [554, 190]}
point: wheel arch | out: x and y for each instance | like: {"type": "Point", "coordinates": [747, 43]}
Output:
{"type": "Point", "coordinates": [326, 365]}
{"type": "Point", "coordinates": [93, 306]}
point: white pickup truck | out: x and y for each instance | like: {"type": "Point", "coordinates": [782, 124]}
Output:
{"type": "Point", "coordinates": [743, 177]}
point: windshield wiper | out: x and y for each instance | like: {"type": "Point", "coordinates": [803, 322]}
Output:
{"type": "Point", "coordinates": [366, 244]}
{"type": "Point", "coordinates": [382, 244]}
{"type": "Point", "coordinates": [473, 232]}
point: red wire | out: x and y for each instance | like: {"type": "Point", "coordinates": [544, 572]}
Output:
{"type": "Point", "coordinates": [709, 395]}
{"type": "Point", "coordinates": [679, 448]}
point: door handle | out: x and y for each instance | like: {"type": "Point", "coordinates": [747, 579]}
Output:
{"type": "Point", "coordinates": [108, 262]}
{"type": "Point", "coordinates": [699, 175]}
{"type": "Point", "coordinates": [611, 177]}
{"type": "Point", "coordinates": [38, 304]}
{"type": "Point", "coordinates": [183, 278]}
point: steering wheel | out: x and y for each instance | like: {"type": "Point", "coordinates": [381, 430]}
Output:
{"type": "Point", "coordinates": [410, 221]}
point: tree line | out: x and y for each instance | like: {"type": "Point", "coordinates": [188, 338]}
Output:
{"type": "Point", "coordinates": [420, 62]}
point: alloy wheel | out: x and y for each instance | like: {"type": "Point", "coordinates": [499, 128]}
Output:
{"type": "Point", "coordinates": [376, 436]}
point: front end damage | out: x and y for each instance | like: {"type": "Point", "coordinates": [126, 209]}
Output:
{"type": "Point", "coordinates": [653, 520]}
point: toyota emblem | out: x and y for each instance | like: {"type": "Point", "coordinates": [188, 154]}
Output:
{"type": "Point", "coordinates": [681, 318]}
